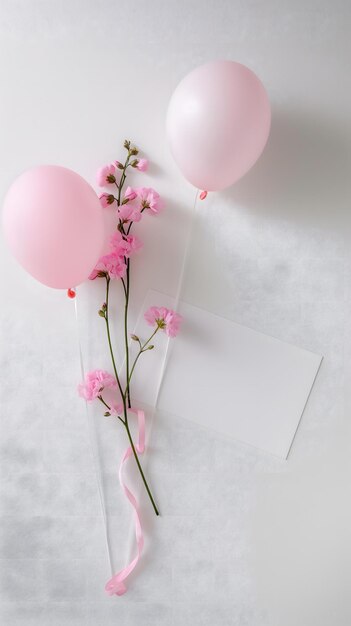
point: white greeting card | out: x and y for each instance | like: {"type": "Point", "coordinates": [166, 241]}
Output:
{"type": "Point", "coordinates": [227, 377]}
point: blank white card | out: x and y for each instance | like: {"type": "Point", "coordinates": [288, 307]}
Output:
{"type": "Point", "coordinates": [237, 381]}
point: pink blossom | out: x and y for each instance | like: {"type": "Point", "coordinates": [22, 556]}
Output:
{"type": "Point", "coordinates": [119, 244]}
{"type": "Point", "coordinates": [106, 175]}
{"type": "Point", "coordinates": [98, 272]}
{"type": "Point", "coordinates": [125, 245]}
{"type": "Point", "coordinates": [164, 318]}
{"type": "Point", "coordinates": [142, 165]}
{"type": "Point", "coordinates": [115, 265]}
{"type": "Point", "coordinates": [106, 199]}
{"type": "Point", "coordinates": [94, 384]}
{"type": "Point", "coordinates": [130, 194]}
{"type": "Point", "coordinates": [129, 213]}
{"type": "Point", "coordinates": [135, 244]}
{"type": "Point", "coordinates": [150, 200]}
{"type": "Point", "coordinates": [111, 264]}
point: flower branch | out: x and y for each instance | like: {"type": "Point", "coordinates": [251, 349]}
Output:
{"type": "Point", "coordinates": [130, 206]}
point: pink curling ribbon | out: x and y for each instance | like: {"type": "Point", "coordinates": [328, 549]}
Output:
{"type": "Point", "coordinates": [116, 586]}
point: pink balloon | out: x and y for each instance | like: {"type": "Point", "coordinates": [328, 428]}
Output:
{"type": "Point", "coordinates": [218, 123]}
{"type": "Point", "coordinates": [54, 225]}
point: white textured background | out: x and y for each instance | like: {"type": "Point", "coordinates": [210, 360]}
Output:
{"type": "Point", "coordinates": [244, 540]}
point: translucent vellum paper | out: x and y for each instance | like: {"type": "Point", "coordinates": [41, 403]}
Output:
{"type": "Point", "coordinates": [227, 377]}
{"type": "Point", "coordinates": [218, 372]}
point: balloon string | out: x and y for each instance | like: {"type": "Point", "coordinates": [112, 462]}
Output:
{"type": "Point", "coordinates": [178, 295]}
{"type": "Point", "coordinates": [93, 444]}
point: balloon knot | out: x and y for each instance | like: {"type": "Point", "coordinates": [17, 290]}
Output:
{"type": "Point", "coordinates": [71, 293]}
{"type": "Point", "coordinates": [203, 195]}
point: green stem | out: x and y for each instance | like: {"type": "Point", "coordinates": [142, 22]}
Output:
{"type": "Point", "coordinates": [105, 403]}
{"type": "Point", "coordinates": [123, 396]}
{"type": "Point", "coordinates": [109, 335]}
{"type": "Point", "coordinates": [126, 338]}
{"type": "Point", "coordinates": [124, 287]}
{"type": "Point", "coordinates": [139, 466]}
{"type": "Point", "coordinates": [109, 408]}
{"type": "Point", "coordinates": [151, 337]}
{"type": "Point", "coordinates": [122, 181]}
{"type": "Point", "coordinates": [142, 349]}
{"type": "Point", "coordinates": [126, 284]}
{"type": "Point", "coordinates": [126, 395]}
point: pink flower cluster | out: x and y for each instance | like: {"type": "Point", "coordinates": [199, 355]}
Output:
{"type": "Point", "coordinates": [135, 201]}
{"type": "Point", "coordinates": [149, 199]}
{"type": "Point", "coordinates": [125, 245]}
{"type": "Point", "coordinates": [106, 199]}
{"type": "Point", "coordinates": [164, 318]}
{"type": "Point", "coordinates": [114, 264]}
{"type": "Point", "coordinates": [111, 265]}
{"type": "Point", "coordinates": [94, 384]}
{"type": "Point", "coordinates": [110, 174]}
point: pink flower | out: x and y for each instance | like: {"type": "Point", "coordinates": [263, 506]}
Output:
{"type": "Point", "coordinates": [106, 199]}
{"type": "Point", "coordinates": [119, 244]}
{"type": "Point", "coordinates": [166, 319]}
{"type": "Point", "coordinates": [107, 175]}
{"type": "Point", "coordinates": [94, 384]}
{"type": "Point", "coordinates": [129, 213]}
{"type": "Point", "coordinates": [130, 194]}
{"type": "Point", "coordinates": [115, 265]}
{"type": "Point", "coordinates": [150, 200]}
{"type": "Point", "coordinates": [111, 264]}
{"type": "Point", "coordinates": [142, 165]}
{"type": "Point", "coordinates": [125, 245]}
{"type": "Point", "coordinates": [99, 270]}
{"type": "Point", "coordinates": [134, 244]}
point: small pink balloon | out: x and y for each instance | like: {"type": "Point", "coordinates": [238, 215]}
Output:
{"type": "Point", "coordinates": [218, 123]}
{"type": "Point", "coordinates": [53, 223]}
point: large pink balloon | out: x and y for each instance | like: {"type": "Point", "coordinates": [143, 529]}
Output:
{"type": "Point", "coordinates": [218, 123]}
{"type": "Point", "coordinates": [54, 225]}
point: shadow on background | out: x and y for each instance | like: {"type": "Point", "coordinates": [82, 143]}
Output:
{"type": "Point", "coordinates": [303, 171]}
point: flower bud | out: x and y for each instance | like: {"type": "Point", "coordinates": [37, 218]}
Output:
{"type": "Point", "coordinates": [110, 178]}
{"type": "Point", "coordinates": [151, 347]}
{"type": "Point", "coordinates": [134, 337]}
{"type": "Point", "coordinates": [134, 151]}
{"type": "Point", "coordinates": [101, 313]}
{"type": "Point", "coordinates": [107, 414]}
{"type": "Point", "coordinates": [134, 163]}
{"type": "Point", "coordinates": [110, 198]}
{"type": "Point", "coordinates": [126, 144]}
